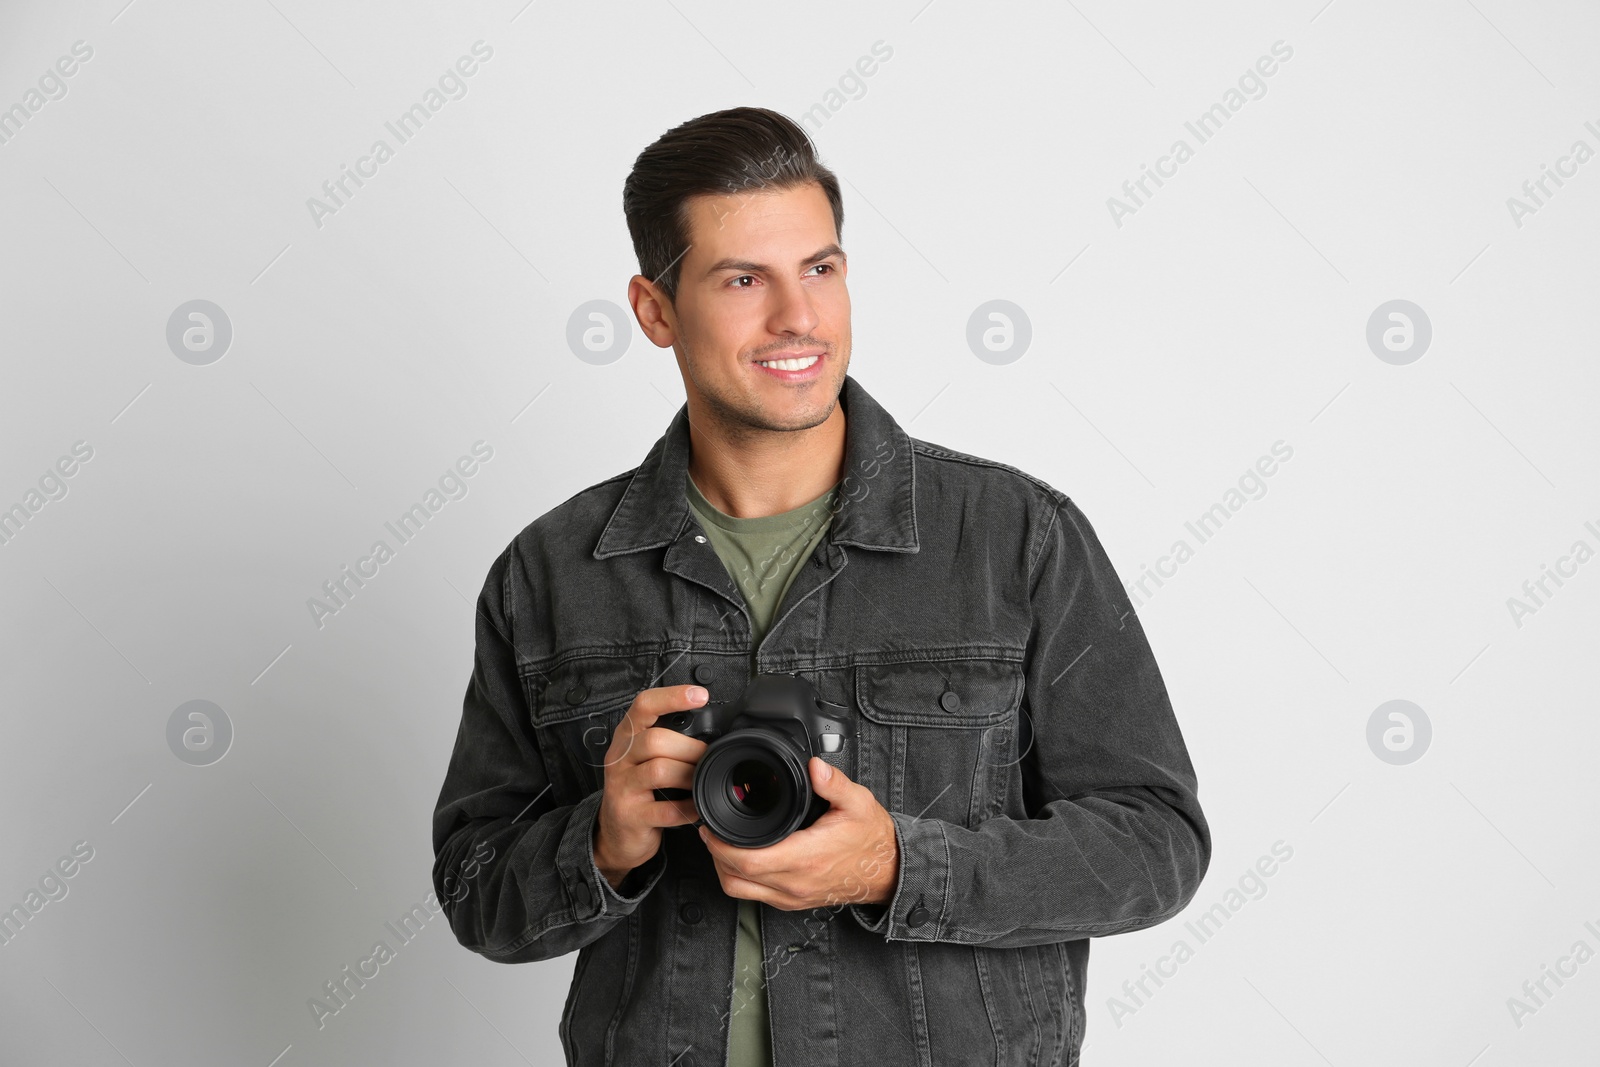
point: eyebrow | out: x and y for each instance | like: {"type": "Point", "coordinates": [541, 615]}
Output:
{"type": "Point", "coordinates": [761, 268]}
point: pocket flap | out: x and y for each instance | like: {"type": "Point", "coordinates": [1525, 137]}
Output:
{"type": "Point", "coordinates": [947, 693]}
{"type": "Point", "coordinates": [578, 688]}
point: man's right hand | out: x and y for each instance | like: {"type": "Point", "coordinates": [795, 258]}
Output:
{"type": "Point", "coordinates": [639, 760]}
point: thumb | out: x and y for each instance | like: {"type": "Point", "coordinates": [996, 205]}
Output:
{"type": "Point", "coordinates": [830, 783]}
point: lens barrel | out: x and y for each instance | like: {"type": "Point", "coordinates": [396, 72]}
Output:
{"type": "Point", "coordinates": [751, 787]}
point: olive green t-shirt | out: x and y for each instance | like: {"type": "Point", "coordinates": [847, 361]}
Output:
{"type": "Point", "coordinates": [762, 556]}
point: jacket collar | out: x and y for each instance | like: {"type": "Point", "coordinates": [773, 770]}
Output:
{"type": "Point", "coordinates": [876, 498]}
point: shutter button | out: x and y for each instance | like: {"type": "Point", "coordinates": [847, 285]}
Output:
{"type": "Point", "coordinates": [576, 694]}
{"type": "Point", "coordinates": [949, 701]}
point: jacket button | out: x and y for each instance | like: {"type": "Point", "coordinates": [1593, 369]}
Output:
{"type": "Point", "coordinates": [816, 559]}
{"type": "Point", "coordinates": [691, 913]}
{"type": "Point", "coordinates": [702, 673]}
{"type": "Point", "coordinates": [582, 892]}
{"type": "Point", "coordinates": [917, 916]}
{"type": "Point", "coordinates": [576, 694]}
{"type": "Point", "coordinates": [949, 701]}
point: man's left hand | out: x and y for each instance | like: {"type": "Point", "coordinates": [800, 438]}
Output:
{"type": "Point", "coordinates": [848, 856]}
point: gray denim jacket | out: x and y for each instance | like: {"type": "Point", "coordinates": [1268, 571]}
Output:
{"type": "Point", "coordinates": [1009, 714]}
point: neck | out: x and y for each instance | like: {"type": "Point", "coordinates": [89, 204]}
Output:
{"type": "Point", "coordinates": [756, 473]}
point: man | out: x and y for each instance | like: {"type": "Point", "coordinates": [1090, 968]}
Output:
{"type": "Point", "coordinates": [1015, 782]}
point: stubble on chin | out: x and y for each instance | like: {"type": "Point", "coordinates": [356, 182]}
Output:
{"type": "Point", "coordinates": [743, 423]}
{"type": "Point", "coordinates": [741, 420]}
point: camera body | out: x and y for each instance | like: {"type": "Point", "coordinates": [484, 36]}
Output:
{"type": "Point", "coordinates": [751, 786]}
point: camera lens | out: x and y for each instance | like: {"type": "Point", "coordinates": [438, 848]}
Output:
{"type": "Point", "coordinates": [753, 785]}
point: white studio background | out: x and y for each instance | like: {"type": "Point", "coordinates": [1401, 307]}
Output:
{"type": "Point", "coordinates": [1145, 359]}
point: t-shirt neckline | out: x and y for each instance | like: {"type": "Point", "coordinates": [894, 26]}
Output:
{"type": "Point", "coordinates": [784, 520]}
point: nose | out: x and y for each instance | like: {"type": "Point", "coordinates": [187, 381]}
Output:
{"type": "Point", "coordinates": [792, 310]}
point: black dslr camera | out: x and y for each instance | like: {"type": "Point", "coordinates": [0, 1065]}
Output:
{"type": "Point", "coordinates": [751, 785]}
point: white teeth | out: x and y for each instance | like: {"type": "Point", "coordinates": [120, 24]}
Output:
{"type": "Point", "coordinates": [790, 364]}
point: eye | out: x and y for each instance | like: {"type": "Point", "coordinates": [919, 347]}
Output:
{"type": "Point", "coordinates": [826, 268]}
{"type": "Point", "coordinates": [742, 278]}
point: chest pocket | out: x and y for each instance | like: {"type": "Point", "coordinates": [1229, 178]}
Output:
{"type": "Point", "coordinates": [937, 735]}
{"type": "Point", "coordinates": [576, 708]}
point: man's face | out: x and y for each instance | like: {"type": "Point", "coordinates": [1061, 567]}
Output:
{"type": "Point", "coordinates": [763, 280]}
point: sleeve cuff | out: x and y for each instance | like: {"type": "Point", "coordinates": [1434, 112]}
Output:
{"type": "Point", "coordinates": [917, 911]}
{"type": "Point", "coordinates": [589, 893]}
{"type": "Point", "coordinates": [635, 887]}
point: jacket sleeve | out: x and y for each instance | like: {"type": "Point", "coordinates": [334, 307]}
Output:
{"type": "Point", "coordinates": [513, 865]}
{"type": "Point", "coordinates": [1115, 839]}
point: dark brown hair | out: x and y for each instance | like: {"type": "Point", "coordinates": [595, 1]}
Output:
{"type": "Point", "coordinates": [730, 151]}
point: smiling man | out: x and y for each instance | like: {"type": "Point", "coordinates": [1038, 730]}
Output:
{"type": "Point", "coordinates": [1014, 782]}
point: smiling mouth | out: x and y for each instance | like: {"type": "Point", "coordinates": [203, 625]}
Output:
{"type": "Point", "coordinates": [799, 363]}
{"type": "Point", "coordinates": [789, 362]}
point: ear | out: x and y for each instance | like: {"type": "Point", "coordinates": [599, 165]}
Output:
{"type": "Point", "coordinates": [653, 310]}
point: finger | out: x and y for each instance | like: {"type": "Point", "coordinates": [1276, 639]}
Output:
{"type": "Point", "coordinates": [635, 744]}
{"type": "Point", "coordinates": [834, 786]}
{"type": "Point", "coordinates": [662, 773]}
{"type": "Point", "coordinates": [761, 887]}
{"type": "Point", "coordinates": [725, 857]}
{"type": "Point", "coordinates": [672, 813]}
{"type": "Point", "coordinates": [659, 741]}
{"type": "Point", "coordinates": [745, 889]}
{"type": "Point", "coordinates": [714, 844]}
{"type": "Point", "coordinates": [754, 863]}
{"type": "Point", "coordinates": [651, 704]}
